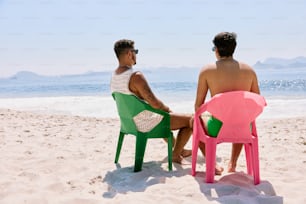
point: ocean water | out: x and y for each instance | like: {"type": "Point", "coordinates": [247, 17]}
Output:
{"type": "Point", "coordinates": [89, 94]}
{"type": "Point", "coordinates": [10, 88]}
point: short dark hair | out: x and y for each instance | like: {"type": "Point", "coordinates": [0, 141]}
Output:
{"type": "Point", "coordinates": [122, 45]}
{"type": "Point", "coordinates": [225, 42]}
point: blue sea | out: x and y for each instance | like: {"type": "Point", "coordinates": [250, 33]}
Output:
{"type": "Point", "coordinates": [89, 94]}
{"type": "Point", "coordinates": [174, 82]}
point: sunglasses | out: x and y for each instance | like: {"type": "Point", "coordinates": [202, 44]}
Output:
{"type": "Point", "coordinates": [213, 48]}
{"type": "Point", "coordinates": [135, 51]}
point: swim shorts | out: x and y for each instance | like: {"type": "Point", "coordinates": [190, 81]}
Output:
{"type": "Point", "coordinates": [213, 126]}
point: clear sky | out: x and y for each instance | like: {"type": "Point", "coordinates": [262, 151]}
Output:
{"type": "Point", "coordinates": [55, 37]}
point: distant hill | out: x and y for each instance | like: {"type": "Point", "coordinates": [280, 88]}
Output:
{"type": "Point", "coordinates": [25, 75]}
{"type": "Point", "coordinates": [279, 68]}
{"type": "Point", "coordinates": [31, 76]}
{"type": "Point", "coordinates": [268, 68]}
{"type": "Point", "coordinates": [152, 75]}
{"type": "Point", "coordinates": [280, 63]}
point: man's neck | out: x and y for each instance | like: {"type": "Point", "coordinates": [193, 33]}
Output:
{"type": "Point", "coordinates": [122, 68]}
{"type": "Point", "coordinates": [225, 58]}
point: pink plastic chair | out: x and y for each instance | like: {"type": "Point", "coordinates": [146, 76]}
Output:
{"type": "Point", "coordinates": [236, 110]}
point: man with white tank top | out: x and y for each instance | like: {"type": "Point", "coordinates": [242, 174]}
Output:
{"type": "Point", "coordinates": [126, 80]}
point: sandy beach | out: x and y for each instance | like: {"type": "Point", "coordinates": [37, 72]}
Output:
{"type": "Point", "coordinates": [47, 158]}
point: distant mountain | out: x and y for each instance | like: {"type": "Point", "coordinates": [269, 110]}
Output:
{"type": "Point", "coordinates": [300, 59]}
{"type": "Point", "coordinates": [294, 66]}
{"type": "Point", "coordinates": [31, 76]}
{"type": "Point", "coordinates": [26, 75]}
{"type": "Point", "coordinates": [280, 63]}
{"type": "Point", "coordinates": [279, 68]}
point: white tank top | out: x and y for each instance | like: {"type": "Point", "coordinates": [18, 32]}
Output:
{"type": "Point", "coordinates": [120, 82]}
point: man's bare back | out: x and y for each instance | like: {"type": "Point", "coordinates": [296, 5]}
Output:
{"type": "Point", "coordinates": [223, 76]}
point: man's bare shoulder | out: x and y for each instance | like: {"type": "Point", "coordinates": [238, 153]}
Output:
{"type": "Point", "coordinates": [138, 84]}
{"type": "Point", "coordinates": [247, 69]}
{"type": "Point", "coordinates": [244, 65]}
{"type": "Point", "coordinates": [208, 67]}
{"type": "Point", "coordinates": [137, 75]}
{"type": "Point", "coordinates": [138, 78]}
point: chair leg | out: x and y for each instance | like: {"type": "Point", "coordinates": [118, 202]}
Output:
{"type": "Point", "coordinates": [119, 145]}
{"type": "Point", "coordinates": [256, 169]}
{"type": "Point", "coordinates": [210, 156]}
{"type": "Point", "coordinates": [195, 148]}
{"type": "Point", "coordinates": [249, 158]}
{"type": "Point", "coordinates": [170, 152]}
{"type": "Point", "coordinates": [141, 142]}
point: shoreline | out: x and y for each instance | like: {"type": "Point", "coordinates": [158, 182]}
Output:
{"type": "Point", "coordinates": [53, 158]}
{"type": "Point", "coordinates": [104, 106]}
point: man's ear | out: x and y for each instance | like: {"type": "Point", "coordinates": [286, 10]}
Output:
{"type": "Point", "coordinates": [129, 53]}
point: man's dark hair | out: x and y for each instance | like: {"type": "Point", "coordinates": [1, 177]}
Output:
{"type": "Point", "coordinates": [122, 45]}
{"type": "Point", "coordinates": [225, 42]}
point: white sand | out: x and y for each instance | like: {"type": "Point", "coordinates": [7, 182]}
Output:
{"type": "Point", "coordinates": [68, 159]}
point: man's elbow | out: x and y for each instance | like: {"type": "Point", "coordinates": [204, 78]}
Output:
{"type": "Point", "coordinates": [156, 104]}
{"type": "Point", "coordinates": [196, 107]}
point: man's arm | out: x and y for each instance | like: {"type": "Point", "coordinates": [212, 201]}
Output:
{"type": "Point", "coordinates": [140, 87]}
{"type": "Point", "coordinates": [201, 90]}
{"type": "Point", "coordinates": [255, 86]}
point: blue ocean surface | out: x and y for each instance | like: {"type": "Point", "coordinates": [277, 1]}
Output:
{"type": "Point", "coordinates": [27, 84]}
{"type": "Point", "coordinates": [172, 83]}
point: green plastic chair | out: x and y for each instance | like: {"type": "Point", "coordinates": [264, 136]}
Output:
{"type": "Point", "coordinates": [129, 106]}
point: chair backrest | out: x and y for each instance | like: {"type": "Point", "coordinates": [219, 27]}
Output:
{"type": "Point", "coordinates": [129, 106]}
{"type": "Point", "coordinates": [237, 110]}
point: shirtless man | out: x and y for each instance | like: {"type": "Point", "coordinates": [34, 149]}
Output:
{"type": "Point", "coordinates": [125, 80]}
{"type": "Point", "coordinates": [226, 74]}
